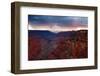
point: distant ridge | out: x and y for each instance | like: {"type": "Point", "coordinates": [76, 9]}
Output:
{"type": "Point", "coordinates": [50, 35]}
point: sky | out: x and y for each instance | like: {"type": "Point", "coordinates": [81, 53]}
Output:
{"type": "Point", "coordinates": [56, 23]}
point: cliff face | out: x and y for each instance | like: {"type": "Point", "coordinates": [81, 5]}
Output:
{"type": "Point", "coordinates": [64, 45]}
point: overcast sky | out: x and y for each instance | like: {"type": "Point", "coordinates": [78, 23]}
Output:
{"type": "Point", "coordinates": [59, 20]}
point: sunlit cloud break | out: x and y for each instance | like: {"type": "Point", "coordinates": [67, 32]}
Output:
{"type": "Point", "coordinates": [57, 29]}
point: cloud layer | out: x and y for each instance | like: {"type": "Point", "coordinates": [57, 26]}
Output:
{"type": "Point", "coordinates": [57, 23]}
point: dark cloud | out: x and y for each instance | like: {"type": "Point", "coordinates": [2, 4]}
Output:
{"type": "Point", "coordinates": [59, 20]}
